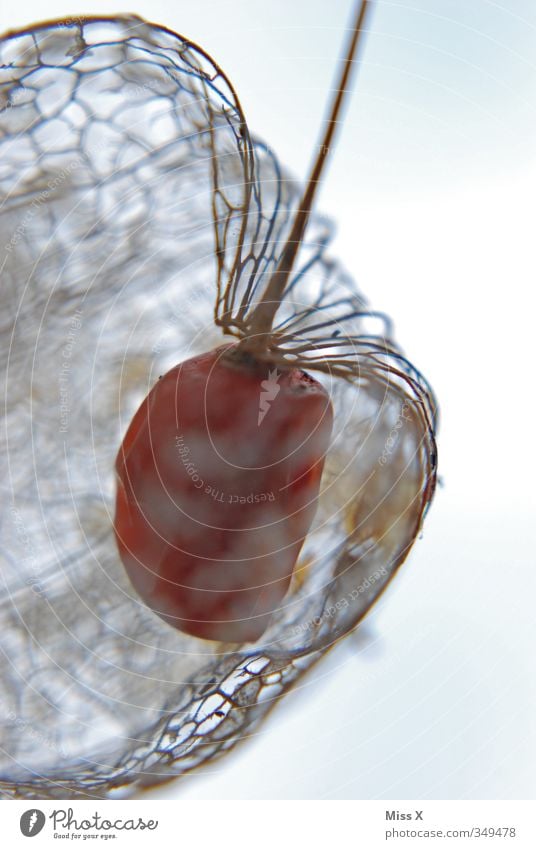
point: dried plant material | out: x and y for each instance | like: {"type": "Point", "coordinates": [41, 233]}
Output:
{"type": "Point", "coordinates": [129, 184]}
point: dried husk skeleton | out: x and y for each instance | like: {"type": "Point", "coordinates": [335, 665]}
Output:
{"type": "Point", "coordinates": [130, 184]}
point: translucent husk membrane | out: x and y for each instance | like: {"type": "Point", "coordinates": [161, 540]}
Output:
{"type": "Point", "coordinates": [130, 184]}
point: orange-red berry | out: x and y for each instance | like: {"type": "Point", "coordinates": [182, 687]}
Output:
{"type": "Point", "coordinates": [218, 479]}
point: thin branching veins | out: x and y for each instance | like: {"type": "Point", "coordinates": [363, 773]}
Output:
{"type": "Point", "coordinates": [139, 222]}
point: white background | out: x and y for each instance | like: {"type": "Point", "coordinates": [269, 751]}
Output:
{"type": "Point", "coordinates": [433, 186]}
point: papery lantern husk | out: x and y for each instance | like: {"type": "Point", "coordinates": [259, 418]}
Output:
{"type": "Point", "coordinates": [139, 222]}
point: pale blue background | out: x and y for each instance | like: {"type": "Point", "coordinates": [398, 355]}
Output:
{"type": "Point", "coordinates": [434, 188]}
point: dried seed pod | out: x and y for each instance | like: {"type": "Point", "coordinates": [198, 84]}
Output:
{"type": "Point", "coordinates": [129, 183]}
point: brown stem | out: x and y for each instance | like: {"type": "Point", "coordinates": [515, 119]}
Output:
{"type": "Point", "coordinates": [262, 317]}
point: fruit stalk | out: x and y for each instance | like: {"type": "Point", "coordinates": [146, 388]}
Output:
{"type": "Point", "coordinates": [262, 317]}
